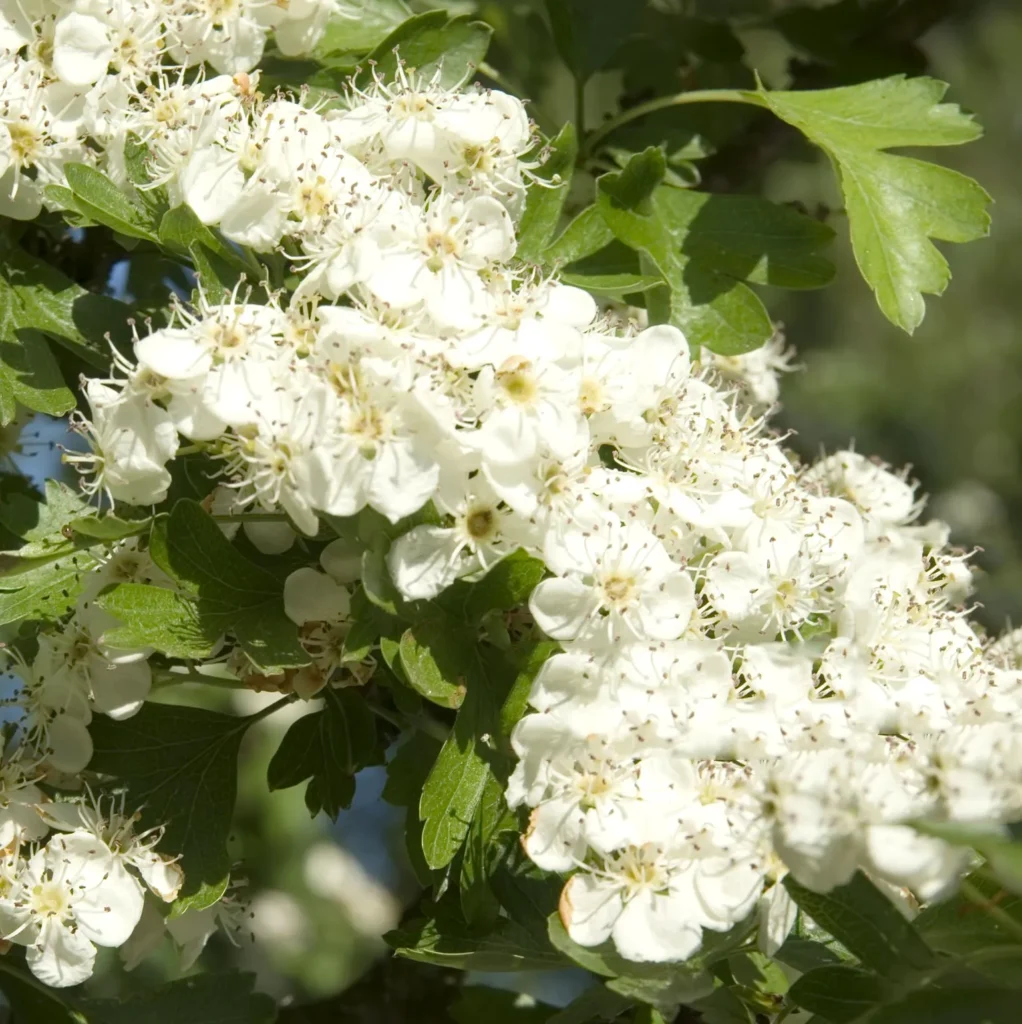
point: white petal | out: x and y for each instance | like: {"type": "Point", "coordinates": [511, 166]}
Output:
{"type": "Point", "coordinates": [311, 596]}
{"type": "Point", "coordinates": [61, 957]}
{"type": "Point", "coordinates": [69, 744]}
{"type": "Point", "coordinates": [589, 908]}
{"type": "Point", "coordinates": [109, 911]}
{"type": "Point", "coordinates": [120, 690]}
{"type": "Point", "coordinates": [554, 838]}
{"type": "Point", "coordinates": [210, 182]}
{"type": "Point", "coordinates": [657, 928]}
{"type": "Point", "coordinates": [81, 49]}
{"type": "Point", "coordinates": [562, 607]}
{"type": "Point", "coordinates": [270, 538]}
{"type": "Point", "coordinates": [426, 560]}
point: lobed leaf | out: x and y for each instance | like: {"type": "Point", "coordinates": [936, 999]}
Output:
{"type": "Point", "coordinates": [895, 204]}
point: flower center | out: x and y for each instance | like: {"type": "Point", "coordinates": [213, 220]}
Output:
{"type": "Point", "coordinates": [26, 143]}
{"type": "Point", "coordinates": [481, 523]}
{"type": "Point", "coordinates": [49, 899]}
{"type": "Point", "coordinates": [439, 246]}
{"type": "Point", "coordinates": [517, 381]}
{"type": "Point", "coordinates": [618, 589]}
{"type": "Point", "coordinates": [591, 397]}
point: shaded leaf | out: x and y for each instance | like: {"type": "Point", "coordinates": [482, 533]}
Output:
{"type": "Point", "coordinates": [328, 747]}
{"type": "Point", "coordinates": [544, 203]}
{"type": "Point", "coordinates": [838, 992]}
{"type": "Point", "coordinates": [232, 595]}
{"type": "Point", "coordinates": [864, 920]}
{"type": "Point", "coordinates": [179, 765]}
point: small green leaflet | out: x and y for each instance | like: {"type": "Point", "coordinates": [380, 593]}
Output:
{"type": "Point", "coordinates": [43, 588]}
{"type": "Point", "coordinates": [231, 594]}
{"type": "Point", "coordinates": [43, 526]}
{"type": "Point", "coordinates": [839, 992]}
{"type": "Point", "coordinates": [328, 747]}
{"type": "Point", "coordinates": [424, 647]}
{"type": "Point", "coordinates": [431, 42]}
{"type": "Point", "coordinates": [46, 300]}
{"type": "Point", "coordinates": [96, 197]}
{"type": "Point", "coordinates": [508, 947]}
{"type": "Point", "coordinates": [374, 20]}
{"type": "Point", "coordinates": [895, 204]}
{"type": "Point", "coordinates": [159, 618]}
{"type": "Point", "coordinates": [180, 768]}
{"type": "Point", "coordinates": [29, 375]}
{"type": "Point", "coordinates": [865, 921]}
{"type": "Point", "coordinates": [544, 203]}
{"type": "Point", "coordinates": [454, 788]}
{"type": "Point", "coordinates": [706, 248]}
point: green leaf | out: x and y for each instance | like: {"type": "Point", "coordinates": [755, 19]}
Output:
{"type": "Point", "coordinates": [895, 204]}
{"type": "Point", "coordinates": [454, 788]}
{"type": "Point", "coordinates": [180, 768]}
{"type": "Point", "coordinates": [587, 33]}
{"type": "Point", "coordinates": [634, 183]}
{"type": "Point", "coordinates": [29, 375]}
{"type": "Point", "coordinates": [838, 992]}
{"type": "Point", "coordinates": [422, 647]}
{"type": "Point", "coordinates": [44, 588]}
{"type": "Point", "coordinates": [43, 527]}
{"type": "Point", "coordinates": [723, 1007]}
{"type": "Point", "coordinates": [202, 999]}
{"type": "Point", "coordinates": [504, 587]}
{"type": "Point", "coordinates": [612, 284]}
{"type": "Point", "coordinates": [713, 309]}
{"type": "Point", "coordinates": [508, 947]}
{"type": "Point", "coordinates": [232, 594]}
{"type": "Point", "coordinates": [136, 163]}
{"type": "Point", "coordinates": [864, 920]}
{"type": "Point", "coordinates": [1002, 854]}
{"type": "Point", "coordinates": [544, 202]}
{"type": "Point", "coordinates": [110, 527]}
{"type": "Point", "coordinates": [216, 275]}
{"type": "Point", "coordinates": [530, 661]}
{"type": "Point", "coordinates": [805, 955]}
{"type": "Point", "coordinates": [30, 1000]}
{"type": "Point", "coordinates": [429, 43]}
{"type": "Point", "coordinates": [667, 991]}
{"type": "Point", "coordinates": [159, 618]}
{"type": "Point", "coordinates": [328, 747]}
{"type": "Point", "coordinates": [180, 229]}
{"type": "Point", "coordinates": [485, 848]}
{"type": "Point", "coordinates": [476, 1004]}
{"type": "Point", "coordinates": [952, 1006]}
{"type": "Point", "coordinates": [588, 233]}
{"type": "Point", "coordinates": [595, 1003]}
{"type": "Point", "coordinates": [750, 239]}
{"type": "Point", "coordinates": [707, 247]}
{"type": "Point", "coordinates": [374, 21]}
{"type": "Point", "coordinates": [101, 200]}
{"type": "Point", "coordinates": [408, 768]}
{"type": "Point", "coordinates": [50, 302]}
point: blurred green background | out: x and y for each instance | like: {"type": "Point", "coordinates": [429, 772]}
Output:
{"type": "Point", "coordinates": [945, 401]}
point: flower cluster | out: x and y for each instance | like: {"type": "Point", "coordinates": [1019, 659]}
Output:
{"type": "Point", "coordinates": [765, 667]}
{"type": "Point", "coordinates": [77, 76]}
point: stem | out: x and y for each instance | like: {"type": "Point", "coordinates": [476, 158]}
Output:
{"type": "Point", "coordinates": [420, 722]}
{"type": "Point", "coordinates": [269, 710]}
{"type": "Point", "coordinates": [166, 679]}
{"type": "Point", "coordinates": [1001, 916]}
{"type": "Point", "coordinates": [580, 107]}
{"type": "Point", "coordinates": [664, 102]}
{"type": "Point", "coordinates": [251, 517]}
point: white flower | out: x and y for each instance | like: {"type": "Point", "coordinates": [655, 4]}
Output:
{"type": "Point", "coordinates": [616, 583]}
{"type": "Point", "coordinates": [71, 896]}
